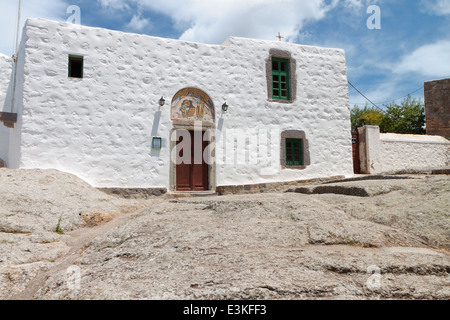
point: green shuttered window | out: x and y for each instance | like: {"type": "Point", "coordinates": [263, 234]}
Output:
{"type": "Point", "coordinates": [294, 152]}
{"type": "Point", "coordinates": [280, 79]}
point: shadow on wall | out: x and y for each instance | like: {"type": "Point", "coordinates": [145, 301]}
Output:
{"type": "Point", "coordinates": [156, 122]}
{"type": "Point", "coordinates": [4, 145]}
{"type": "Point", "coordinates": [6, 107]}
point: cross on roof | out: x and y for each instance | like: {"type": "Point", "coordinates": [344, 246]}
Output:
{"type": "Point", "coordinates": [279, 36]}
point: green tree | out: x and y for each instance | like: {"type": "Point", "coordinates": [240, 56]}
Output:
{"type": "Point", "coordinates": [408, 117]}
{"type": "Point", "coordinates": [366, 116]}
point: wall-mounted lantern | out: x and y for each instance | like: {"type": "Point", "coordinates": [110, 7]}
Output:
{"type": "Point", "coordinates": [225, 107]}
{"type": "Point", "coordinates": [162, 102]}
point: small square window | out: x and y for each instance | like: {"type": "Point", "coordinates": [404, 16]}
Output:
{"type": "Point", "coordinates": [156, 143]}
{"type": "Point", "coordinates": [294, 153]}
{"type": "Point", "coordinates": [76, 66]}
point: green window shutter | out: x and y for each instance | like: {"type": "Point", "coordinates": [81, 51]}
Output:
{"type": "Point", "coordinates": [280, 79]}
{"type": "Point", "coordinates": [294, 152]}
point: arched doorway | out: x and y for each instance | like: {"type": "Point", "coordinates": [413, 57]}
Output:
{"type": "Point", "coordinates": [192, 141]}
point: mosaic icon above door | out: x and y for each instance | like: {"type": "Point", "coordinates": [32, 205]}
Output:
{"type": "Point", "coordinates": [192, 104]}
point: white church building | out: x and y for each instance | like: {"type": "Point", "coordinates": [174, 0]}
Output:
{"type": "Point", "coordinates": [124, 110]}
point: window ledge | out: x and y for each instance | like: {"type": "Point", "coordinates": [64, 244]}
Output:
{"type": "Point", "coordinates": [282, 101]}
{"type": "Point", "coordinates": [293, 167]}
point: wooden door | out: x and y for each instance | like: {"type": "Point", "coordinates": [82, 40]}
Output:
{"type": "Point", "coordinates": [356, 158]}
{"type": "Point", "coordinates": [192, 176]}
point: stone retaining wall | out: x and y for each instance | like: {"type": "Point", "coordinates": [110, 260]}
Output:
{"type": "Point", "coordinates": [387, 153]}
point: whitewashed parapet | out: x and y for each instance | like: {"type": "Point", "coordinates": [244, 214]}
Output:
{"type": "Point", "coordinates": [399, 152]}
{"type": "Point", "coordinates": [412, 138]}
{"type": "Point", "coordinates": [387, 152]}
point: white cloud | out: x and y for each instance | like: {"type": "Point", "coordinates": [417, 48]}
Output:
{"type": "Point", "coordinates": [137, 23]}
{"type": "Point", "coordinates": [50, 9]}
{"type": "Point", "coordinates": [359, 4]}
{"type": "Point", "coordinates": [437, 7]}
{"type": "Point", "coordinates": [356, 4]}
{"type": "Point", "coordinates": [115, 4]}
{"type": "Point", "coordinates": [431, 60]}
{"type": "Point", "coordinates": [215, 20]}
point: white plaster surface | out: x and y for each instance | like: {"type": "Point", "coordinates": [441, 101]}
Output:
{"type": "Point", "coordinates": [373, 149]}
{"type": "Point", "coordinates": [100, 127]}
{"type": "Point", "coordinates": [399, 152]}
{"type": "Point", "coordinates": [413, 138]}
{"type": "Point", "coordinates": [6, 64]}
{"type": "Point", "coordinates": [15, 101]}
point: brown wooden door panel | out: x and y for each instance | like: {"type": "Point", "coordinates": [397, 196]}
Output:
{"type": "Point", "coordinates": [198, 183]}
{"type": "Point", "coordinates": [193, 177]}
{"type": "Point", "coordinates": [184, 177]}
{"type": "Point", "coordinates": [205, 168]}
{"type": "Point", "coordinates": [183, 171]}
{"type": "Point", "coordinates": [356, 156]}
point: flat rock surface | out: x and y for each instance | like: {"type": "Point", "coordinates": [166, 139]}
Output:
{"type": "Point", "coordinates": [387, 245]}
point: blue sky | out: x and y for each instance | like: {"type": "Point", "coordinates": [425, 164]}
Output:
{"type": "Point", "coordinates": [412, 46]}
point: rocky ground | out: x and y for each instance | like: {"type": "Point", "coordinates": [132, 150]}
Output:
{"type": "Point", "coordinates": [371, 239]}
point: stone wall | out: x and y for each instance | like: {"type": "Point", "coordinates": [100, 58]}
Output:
{"type": "Point", "coordinates": [390, 153]}
{"type": "Point", "coordinates": [437, 107]}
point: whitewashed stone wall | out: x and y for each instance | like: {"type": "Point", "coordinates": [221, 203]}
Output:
{"type": "Point", "coordinates": [6, 65]}
{"type": "Point", "coordinates": [402, 151]}
{"type": "Point", "coordinates": [100, 127]}
{"type": "Point", "coordinates": [388, 152]}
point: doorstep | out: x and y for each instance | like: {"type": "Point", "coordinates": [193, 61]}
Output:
{"type": "Point", "coordinates": [187, 194]}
